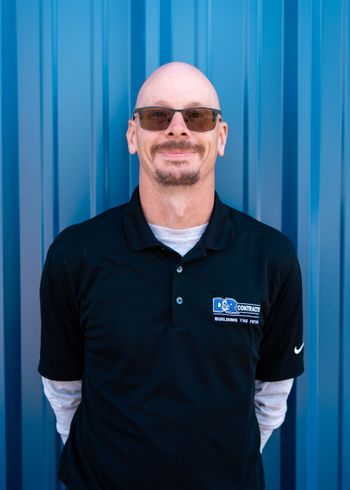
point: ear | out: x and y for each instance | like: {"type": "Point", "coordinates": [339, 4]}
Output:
{"type": "Point", "coordinates": [222, 137]}
{"type": "Point", "coordinates": [131, 137]}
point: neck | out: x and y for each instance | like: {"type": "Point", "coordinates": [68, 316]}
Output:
{"type": "Point", "coordinates": [181, 207]}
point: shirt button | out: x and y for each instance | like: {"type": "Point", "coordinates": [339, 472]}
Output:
{"type": "Point", "coordinates": [179, 300]}
{"type": "Point", "coordinates": [179, 269]}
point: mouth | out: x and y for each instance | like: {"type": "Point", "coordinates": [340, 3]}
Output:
{"type": "Point", "coordinates": [176, 154]}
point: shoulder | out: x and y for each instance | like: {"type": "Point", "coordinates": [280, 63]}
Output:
{"type": "Point", "coordinates": [261, 240]}
{"type": "Point", "coordinates": [108, 221]}
{"type": "Point", "coordinates": [73, 240]}
{"type": "Point", "coordinates": [244, 222]}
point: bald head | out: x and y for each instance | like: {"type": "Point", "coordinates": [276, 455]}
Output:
{"type": "Point", "coordinates": [178, 85]}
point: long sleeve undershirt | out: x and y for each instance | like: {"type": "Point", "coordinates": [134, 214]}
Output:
{"type": "Point", "coordinates": [270, 397]}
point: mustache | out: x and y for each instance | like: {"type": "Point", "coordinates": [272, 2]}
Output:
{"type": "Point", "coordinates": [177, 145]}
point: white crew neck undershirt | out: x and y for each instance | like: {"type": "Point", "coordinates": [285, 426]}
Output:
{"type": "Point", "coordinates": [180, 240]}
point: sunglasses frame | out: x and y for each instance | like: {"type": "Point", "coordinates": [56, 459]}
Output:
{"type": "Point", "coordinates": [139, 110]}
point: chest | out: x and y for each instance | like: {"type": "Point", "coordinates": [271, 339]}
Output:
{"type": "Point", "coordinates": [154, 304]}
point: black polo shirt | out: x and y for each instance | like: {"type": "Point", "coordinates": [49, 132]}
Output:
{"type": "Point", "coordinates": [168, 348]}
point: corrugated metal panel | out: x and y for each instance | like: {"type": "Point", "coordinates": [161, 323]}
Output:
{"type": "Point", "coordinates": [70, 71]}
{"type": "Point", "coordinates": [323, 164]}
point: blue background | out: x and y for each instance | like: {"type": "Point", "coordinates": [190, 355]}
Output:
{"type": "Point", "coordinates": [70, 71]}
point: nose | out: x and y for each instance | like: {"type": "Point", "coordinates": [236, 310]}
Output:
{"type": "Point", "coordinates": [177, 127]}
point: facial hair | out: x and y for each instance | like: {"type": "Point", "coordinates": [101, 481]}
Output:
{"type": "Point", "coordinates": [186, 177]}
{"type": "Point", "coordinates": [167, 178]}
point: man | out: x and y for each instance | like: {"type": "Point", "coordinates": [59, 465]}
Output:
{"type": "Point", "coordinates": [181, 316]}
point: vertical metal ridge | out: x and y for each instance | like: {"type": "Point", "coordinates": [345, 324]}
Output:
{"type": "Point", "coordinates": [289, 213]}
{"type": "Point", "coordinates": [105, 103]}
{"type": "Point", "coordinates": [258, 95]}
{"type": "Point", "coordinates": [41, 111]}
{"type": "Point", "coordinates": [3, 458]}
{"type": "Point", "coordinates": [201, 35]}
{"type": "Point", "coordinates": [48, 121]}
{"type": "Point", "coordinates": [196, 35]}
{"type": "Point", "coordinates": [11, 250]}
{"type": "Point", "coordinates": [138, 63]}
{"type": "Point", "coordinates": [290, 121]}
{"type": "Point", "coordinates": [314, 251]}
{"type": "Point", "coordinates": [344, 336]}
{"type": "Point", "coordinates": [166, 32]}
{"type": "Point", "coordinates": [246, 111]}
{"type": "Point", "coordinates": [329, 239]}
{"type": "Point", "coordinates": [44, 403]}
{"type": "Point", "coordinates": [209, 39]}
{"type": "Point", "coordinates": [93, 163]}
{"type": "Point", "coordinates": [137, 29]}
{"type": "Point", "coordinates": [252, 86]}
{"type": "Point", "coordinates": [130, 94]}
{"type": "Point", "coordinates": [55, 155]}
{"type": "Point", "coordinates": [152, 27]}
{"type": "Point", "coordinates": [342, 265]}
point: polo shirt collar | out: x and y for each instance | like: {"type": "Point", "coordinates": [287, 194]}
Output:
{"type": "Point", "coordinates": [217, 235]}
{"type": "Point", "coordinates": [139, 234]}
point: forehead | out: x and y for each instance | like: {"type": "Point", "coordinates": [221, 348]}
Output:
{"type": "Point", "coordinates": [178, 89]}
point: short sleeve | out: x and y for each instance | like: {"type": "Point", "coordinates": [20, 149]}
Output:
{"type": "Point", "coordinates": [62, 339]}
{"type": "Point", "coordinates": [281, 350]}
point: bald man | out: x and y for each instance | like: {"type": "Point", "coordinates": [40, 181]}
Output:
{"type": "Point", "coordinates": [171, 325]}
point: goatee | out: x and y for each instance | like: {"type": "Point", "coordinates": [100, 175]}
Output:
{"type": "Point", "coordinates": [167, 178]}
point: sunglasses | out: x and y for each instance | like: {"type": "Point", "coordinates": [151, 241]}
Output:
{"type": "Point", "coordinates": [155, 118]}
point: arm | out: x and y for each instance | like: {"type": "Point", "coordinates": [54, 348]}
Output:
{"type": "Point", "coordinates": [271, 406]}
{"type": "Point", "coordinates": [64, 398]}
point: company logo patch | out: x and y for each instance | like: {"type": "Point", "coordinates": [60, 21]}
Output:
{"type": "Point", "coordinates": [230, 310]}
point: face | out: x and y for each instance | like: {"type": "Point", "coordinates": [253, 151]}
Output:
{"type": "Point", "coordinates": [177, 156]}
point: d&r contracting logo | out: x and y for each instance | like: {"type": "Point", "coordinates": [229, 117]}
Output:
{"type": "Point", "coordinates": [230, 310]}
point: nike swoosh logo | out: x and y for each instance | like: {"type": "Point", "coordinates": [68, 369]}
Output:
{"type": "Point", "coordinates": [298, 350]}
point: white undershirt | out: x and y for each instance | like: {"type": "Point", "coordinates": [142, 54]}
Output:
{"type": "Point", "coordinates": [270, 397]}
{"type": "Point", "coordinates": [179, 240]}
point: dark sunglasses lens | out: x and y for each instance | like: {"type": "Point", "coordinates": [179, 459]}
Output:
{"type": "Point", "coordinates": [154, 119]}
{"type": "Point", "coordinates": [199, 119]}
{"type": "Point", "coordinates": [159, 118]}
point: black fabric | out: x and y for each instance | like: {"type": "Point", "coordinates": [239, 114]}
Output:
{"type": "Point", "coordinates": [168, 388]}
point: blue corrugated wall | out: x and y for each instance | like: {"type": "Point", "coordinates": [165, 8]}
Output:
{"type": "Point", "coordinates": [69, 74]}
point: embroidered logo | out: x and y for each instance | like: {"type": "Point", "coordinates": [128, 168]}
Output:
{"type": "Point", "coordinates": [297, 350]}
{"type": "Point", "coordinates": [230, 310]}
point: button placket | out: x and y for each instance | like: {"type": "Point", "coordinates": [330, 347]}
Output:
{"type": "Point", "coordinates": [178, 298]}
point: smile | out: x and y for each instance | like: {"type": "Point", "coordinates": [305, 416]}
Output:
{"type": "Point", "coordinates": [177, 154]}
{"type": "Point", "coordinates": [177, 149]}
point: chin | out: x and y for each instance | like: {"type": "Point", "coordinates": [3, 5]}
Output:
{"type": "Point", "coordinates": [168, 179]}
